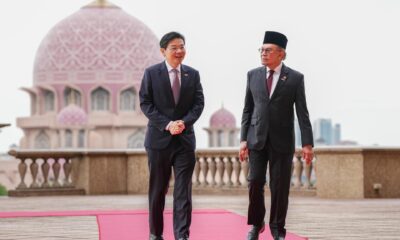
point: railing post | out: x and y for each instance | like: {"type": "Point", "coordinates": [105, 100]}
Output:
{"type": "Point", "coordinates": [298, 168]}
{"type": "Point", "coordinates": [45, 170]}
{"type": "Point", "coordinates": [314, 170]}
{"type": "Point", "coordinates": [204, 170]}
{"type": "Point", "coordinates": [22, 167]}
{"type": "Point", "coordinates": [67, 172]}
{"type": "Point", "coordinates": [245, 171]}
{"type": "Point", "coordinates": [236, 170]}
{"type": "Point", "coordinates": [307, 172]}
{"type": "Point", "coordinates": [34, 171]}
{"type": "Point", "coordinates": [172, 179]}
{"type": "Point", "coordinates": [213, 170]}
{"type": "Point", "coordinates": [197, 172]}
{"type": "Point", "coordinates": [56, 171]}
{"type": "Point", "coordinates": [228, 167]}
{"type": "Point", "coordinates": [220, 170]}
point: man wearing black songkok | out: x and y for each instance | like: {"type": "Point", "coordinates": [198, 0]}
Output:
{"type": "Point", "coordinates": [267, 133]}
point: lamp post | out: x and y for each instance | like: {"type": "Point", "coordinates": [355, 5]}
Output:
{"type": "Point", "coordinates": [4, 125]}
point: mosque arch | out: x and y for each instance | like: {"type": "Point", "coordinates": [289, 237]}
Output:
{"type": "Point", "coordinates": [232, 138]}
{"type": "Point", "coordinates": [81, 138]}
{"type": "Point", "coordinates": [136, 140]}
{"type": "Point", "coordinates": [128, 99]}
{"type": "Point", "coordinates": [68, 139]}
{"type": "Point", "coordinates": [49, 101]}
{"type": "Point", "coordinates": [220, 138]}
{"type": "Point", "coordinates": [100, 99]}
{"type": "Point", "coordinates": [72, 96]}
{"type": "Point", "coordinates": [42, 140]}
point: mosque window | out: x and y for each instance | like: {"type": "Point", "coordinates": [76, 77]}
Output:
{"type": "Point", "coordinates": [42, 141]}
{"type": "Point", "coordinates": [219, 138]}
{"type": "Point", "coordinates": [211, 140]}
{"type": "Point", "coordinates": [100, 99]}
{"type": "Point", "coordinates": [33, 104]}
{"type": "Point", "coordinates": [136, 140]}
{"type": "Point", "coordinates": [68, 138]}
{"type": "Point", "coordinates": [81, 138]}
{"type": "Point", "coordinates": [232, 138]}
{"type": "Point", "coordinates": [127, 100]}
{"type": "Point", "coordinates": [48, 101]}
{"type": "Point", "coordinates": [72, 96]}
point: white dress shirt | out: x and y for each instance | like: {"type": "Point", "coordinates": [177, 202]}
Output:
{"type": "Point", "coordinates": [275, 77]}
{"type": "Point", "coordinates": [172, 74]}
{"type": "Point", "coordinates": [171, 80]}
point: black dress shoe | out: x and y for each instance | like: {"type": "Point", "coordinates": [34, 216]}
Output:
{"type": "Point", "coordinates": [279, 238]}
{"type": "Point", "coordinates": [184, 237]}
{"type": "Point", "coordinates": [154, 237]}
{"type": "Point", "coordinates": [255, 231]}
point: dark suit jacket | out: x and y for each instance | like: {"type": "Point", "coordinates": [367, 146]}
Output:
{"type": "Point", "coordinates": [273, 118]}
{"type": "Point", "coordinates": [157, 103]}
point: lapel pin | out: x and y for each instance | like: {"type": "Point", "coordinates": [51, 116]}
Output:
{"type": "Point", "coordinates": [283, 78]}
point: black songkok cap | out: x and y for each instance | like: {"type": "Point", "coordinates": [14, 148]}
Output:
{"type": "Point", "coordinates": [275, 38]}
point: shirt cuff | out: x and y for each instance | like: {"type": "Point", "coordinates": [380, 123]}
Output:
{"type": "Point", "coordinates": [167, 127]}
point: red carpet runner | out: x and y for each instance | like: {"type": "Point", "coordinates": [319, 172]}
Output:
{"type": "Point", "coordinates": [133, 225]}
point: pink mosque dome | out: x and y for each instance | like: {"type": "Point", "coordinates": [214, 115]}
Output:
{"type": "Point", "coordinates": [96, 44]}
{"type": "Point", "coordinates": [86, 75]}
{"type": "Point", "coordinates": [222, 118]}
{"type": "Point", "coordinates": [72, 115]}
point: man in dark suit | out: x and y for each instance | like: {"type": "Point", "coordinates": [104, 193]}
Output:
{"type": "Point", "coordinates": [267, 133]}
{"type": "Point", "coordinates": [171, 97]}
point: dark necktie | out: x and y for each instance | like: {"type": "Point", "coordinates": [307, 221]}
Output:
{"type": "Point", "coordinates": [269, 81]}
{"type": "Point", "coordinates": [176, 86]}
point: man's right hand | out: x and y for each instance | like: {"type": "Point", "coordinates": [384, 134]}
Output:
{"type": "Point", "coordinates": [176, 127]}
{"type": "Point", "coordinates": [243, 152]}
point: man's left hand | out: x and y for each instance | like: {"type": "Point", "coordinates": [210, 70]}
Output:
{"type": "Point", "coordinates": [308, 154]}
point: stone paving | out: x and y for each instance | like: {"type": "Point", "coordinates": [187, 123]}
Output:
{"type": "Point", "coordinates": [316, 218]}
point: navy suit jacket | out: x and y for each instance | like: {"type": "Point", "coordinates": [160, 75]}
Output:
{"type": "Point", "coordinates": [157, 103]}
{"type": "Point", "coordinates": [272, 117]}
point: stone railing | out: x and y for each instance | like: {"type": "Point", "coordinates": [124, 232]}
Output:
{"type": "Point", "coordinates": [221, 168]}
{"type": "Point", "coordinates": [48, 172]}
{"type": "Point", "coordinates": [80, 171]}
{"type": "Point", "coordinates": [341, 172]}
{"type": "Point", "coordinates": [358, 172]}
{"type": "Point", "coordinates": [56, 172]}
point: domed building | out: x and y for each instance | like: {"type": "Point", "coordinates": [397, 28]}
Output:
{"type": "Point", "coordinates": [86, 80]}
{"type": "Point", "coordinates": [222, 131]}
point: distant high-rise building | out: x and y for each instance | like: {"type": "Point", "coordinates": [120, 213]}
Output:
{"type": "Point", "coordinates": [323, 131]}
{"type": "Point", "coordinates": [337, 134]}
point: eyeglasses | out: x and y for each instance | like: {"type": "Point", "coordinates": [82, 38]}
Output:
{"type": "Point", "coordinates": [175, 49]}
{"type": "Point", "coordinates": [267, 50]}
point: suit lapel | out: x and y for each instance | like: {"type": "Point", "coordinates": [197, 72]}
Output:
{"type": "Point", "coordinates": [281, 81]}
{"type": "Point", "coordinates": [263, 81]}
{"type": "Point", "coordinates": [166, 82]}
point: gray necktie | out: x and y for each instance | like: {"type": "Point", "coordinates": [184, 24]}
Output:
{"type": "Point", "coordinates": [176, 86]}
{"type": "Point", "coordinates": [269, 81]}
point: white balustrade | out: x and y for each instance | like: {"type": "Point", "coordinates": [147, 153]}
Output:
{"type": "Point", "coordinates": [221, 168]}
{"type": "Point", "coordinates": [44, 170]}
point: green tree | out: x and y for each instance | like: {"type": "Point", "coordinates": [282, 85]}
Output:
{"type": "Point", "coordinates": [3, 190]}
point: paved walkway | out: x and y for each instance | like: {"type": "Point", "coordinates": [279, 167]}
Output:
{"type": "Point", "coordinates": [369, 219]}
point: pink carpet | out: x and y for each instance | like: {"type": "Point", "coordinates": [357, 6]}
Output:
{"type": "Point", "coordinates": [133, 225]}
